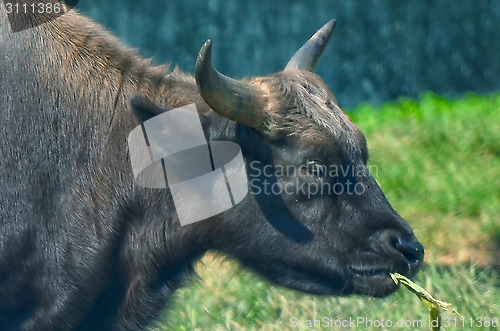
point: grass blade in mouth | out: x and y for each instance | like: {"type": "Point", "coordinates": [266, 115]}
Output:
{"type": "Point", "coordinates": [429, 301]}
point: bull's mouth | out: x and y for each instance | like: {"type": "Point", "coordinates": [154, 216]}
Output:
{"type": "Point", "coordinates": [364, 280]}
{"type": "Point", "coordinates": [370, 274]}
{"type": "Point", "coordinates": [375, 281]}
{"type": "Point", "coordinates": [381, 272]}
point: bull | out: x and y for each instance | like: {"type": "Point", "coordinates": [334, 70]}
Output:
{"type": "Point", "coordinates": [83, 247]}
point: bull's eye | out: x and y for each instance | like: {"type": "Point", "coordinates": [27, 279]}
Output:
{"type": "Point", "coordinates": [316, 169]}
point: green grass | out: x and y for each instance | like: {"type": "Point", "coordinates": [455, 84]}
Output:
{"type": "Point", "coordinates": [438, 161]}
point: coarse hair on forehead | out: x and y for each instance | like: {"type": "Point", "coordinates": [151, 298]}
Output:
{"type": "Point", "coordinates": [299, 103]}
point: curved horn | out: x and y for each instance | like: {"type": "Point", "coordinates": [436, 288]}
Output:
{"type": "Point", "coordinates": [228, 97]}
{"type": "Point", "coordinates": [308, 55]}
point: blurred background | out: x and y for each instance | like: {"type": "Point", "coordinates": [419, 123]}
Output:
{"type": "Point", "coordinates": [381, 49]}
{"type": "Point", "coordinates": [420, 78]}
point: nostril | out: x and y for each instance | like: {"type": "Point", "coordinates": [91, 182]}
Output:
{"type": "Point", "coordinates": [412, 251]}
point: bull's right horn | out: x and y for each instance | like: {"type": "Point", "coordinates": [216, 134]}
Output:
{"type": "Point", "coordinates": [308, 55]}
{"type": "Point", "coordinates": [228, 97]}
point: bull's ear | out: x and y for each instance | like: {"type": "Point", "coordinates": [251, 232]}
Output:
{"type": "Point", "coordinates": [143, 109]}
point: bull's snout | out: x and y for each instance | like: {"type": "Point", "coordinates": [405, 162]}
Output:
{"type": "Point", "coordinates": [412, 251]}
{"type": "Point", "coordinates": [402, 248]}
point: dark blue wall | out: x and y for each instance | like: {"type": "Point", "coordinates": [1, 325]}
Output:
{"type": "Point", "coordinates": [381, 49]}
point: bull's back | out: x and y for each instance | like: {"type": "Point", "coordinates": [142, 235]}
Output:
{"type": "Point", "coordinates": [50, 132]}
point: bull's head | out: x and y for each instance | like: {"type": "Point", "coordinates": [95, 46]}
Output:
{"type": "Point", "coordinates": [315, 219]}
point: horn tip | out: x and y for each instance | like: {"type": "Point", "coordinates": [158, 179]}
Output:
{"type": "Point", "coordinates": [207, 43]}
{"type": "Point", "coordinates": [205, 49]}
{"type": "Point", "coordinates": [204, 57]}
{"type": "Point", "coordinates": [330, 26]}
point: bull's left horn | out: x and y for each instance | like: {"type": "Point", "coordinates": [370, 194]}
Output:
{"type": "Point", "coordinates": [308, 55]}
{"type": "Point", "coordinates": [228, 97]}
